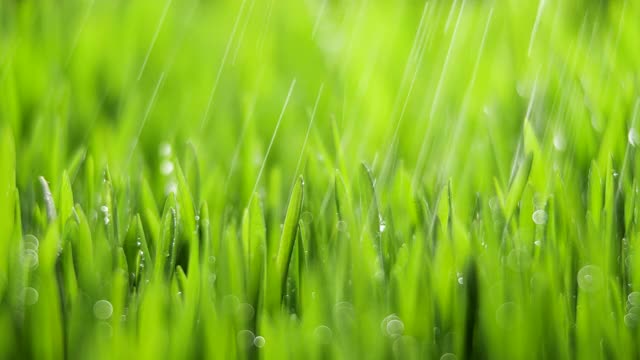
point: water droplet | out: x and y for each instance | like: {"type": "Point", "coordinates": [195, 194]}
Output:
{"type": "Point", "coordinates": [171, 187]}
{"type": "Point", "coordinates": [104, 209]}
{"type": "Point", "coordinates": [540, 217]}
{"type": "Point", "coordinates": [395, 327]}
{"type": "Point", "coordinates": [212, 259]}
{"type": "Point", "coordinates": [102, 309]}
{"type": "Point", "coordinates": [259, 341]}
{"type": "Point", "coordinates": [537, 243]}
{"type": "Point", "coordinates": [245, 312]}
{"type": "Point", "coordinates": [590, 278]}
{"type": "Point", "coordinates": [559, 142]}
{"type": "Point", "coordinates": [323, 334]}
{"type": "Point", "coordinates": [30, 259]}
{"type": "Point", "coordinates": [342, 226]}
{"type": "Point", "coordinates": [307, 217]}
{"type": "Point", "coordinates": [30, 242]}
{"type": "Point", "coordinates": [383, 225]}
{"type": "Point", "coordinates": [166, 167]}
{"type": "Point", "coordinates": [245, 338]}
{"type": "Point", "coordinates": [634, 310]}
{"type": "Point", "coordinates": [385, 322]}
{"type": "Point", "coordinates": [634, 137]}
{"type": "Point", "coordinates": [460, 278]}
{"type": "Point", "coordinates": [634, 298]}
{"type": "Point", "coordinates": [30, 296]}
{"type": "Point", "coordinates": [631, 320]}
{"type": "Point", "coordinates": [448, 356]}
{"type": "Point", "coordinates": [165, 149]}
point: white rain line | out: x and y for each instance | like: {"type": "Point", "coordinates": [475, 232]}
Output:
{"type": "Point", "coordinates": [236, 151]}
{"type": "Point", "coordinates": [467, 97]}
{"type": "Point", "coordinates": [306, 138]}
{"type": "Point", "coordinates": [273, 137]}
{"type": "Point", "coordinates": [241, 38]}
{"type": "Point", "coordinates": [514, 166]}
{"type": "Point", "coordinates": [419, 40]}
{"type": "Point", "coordinates": [535, 26]}
{"type": "Point", "coordinates": [76, 39]}
{"type": "Point", "coordinates": [264, 29]}
{"type": "Point", "coordinates": [350, 128]}
{"type": "Point", "coordinates": [450, 16]}
{"type": "Point", "coordinates": [319, 15]}
{"type": "Point", "coordinates": [152, 101]}
{"type": "Point", "coordinates": [423, 148]}
{"type": "Point", "coordinates": [476, 66]}
{"type": "Point", "coordinates": [445, 66]}
{"type": "Point", "coordinates": [203, 122]}
{"type": "Point", "coordinates": [155, 37]}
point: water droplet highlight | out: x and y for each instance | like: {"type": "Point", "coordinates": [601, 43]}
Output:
{"type": "Point", "coordinates": [30, 296]}
{"type": "Point", "coordinates": [323, 334]}
{"type": "Point", "coordinates": [540, 217]}
{"type": "Point", "coordinates": [259, 341]}
{"type": "Point", "coordinates": [633, 137]}
{"type": "Point", "coordinates": [590, 278]}
{"type": "Point", "coordinates": [102, 309]}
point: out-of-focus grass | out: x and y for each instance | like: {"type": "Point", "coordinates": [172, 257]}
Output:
{"type": "Point", "coordinates": [470, 179]}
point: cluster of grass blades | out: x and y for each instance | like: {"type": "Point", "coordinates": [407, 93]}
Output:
{"type": "Point", "coordinates": [319, 179]}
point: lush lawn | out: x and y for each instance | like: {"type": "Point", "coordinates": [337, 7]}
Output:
{"type": "Point", "coordinates": [319, 179]}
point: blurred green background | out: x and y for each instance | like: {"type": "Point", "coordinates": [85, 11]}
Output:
{"type": "Point", "coordinates": [471, 116]}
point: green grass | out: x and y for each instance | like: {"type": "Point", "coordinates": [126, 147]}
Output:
{"type": "Point", "coordinates": [319, 179]}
